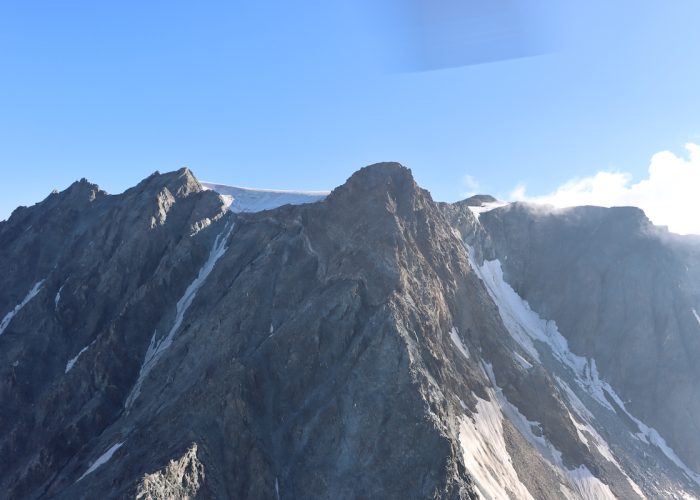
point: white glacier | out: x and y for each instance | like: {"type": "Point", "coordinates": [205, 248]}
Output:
{"type": "Point", "coordinates": [8, 317]}
{"type": "Point", "coordinates": [240, 199]}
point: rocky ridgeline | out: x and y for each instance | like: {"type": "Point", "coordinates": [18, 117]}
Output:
{"type": "Point", "coordinates": [365, 345]}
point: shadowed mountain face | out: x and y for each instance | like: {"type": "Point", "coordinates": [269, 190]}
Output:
{"type": "Point", "coordinates": [622, 292]}
{"type": "Point", "coordinates": [368, 345]}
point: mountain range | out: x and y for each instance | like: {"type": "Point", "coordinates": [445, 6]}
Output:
{"type": "Point", "coordinates": [194, 340]}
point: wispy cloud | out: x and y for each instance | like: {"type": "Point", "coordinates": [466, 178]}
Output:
{"type": "Point", "coordinates": [670, 195]}
{"type": "Point", "coordinates": [471, 186]}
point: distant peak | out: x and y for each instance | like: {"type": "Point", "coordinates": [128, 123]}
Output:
{"type": "Point", "coordinates": [381, 187]}
{"type": "Point", "coordinates": [387, 169]}
{"type": "Point", "coordinates": [181, 183]}
{"type": "Point", "coordinates": [385, 176]}
{"type": "Point", "coordinates": [82, 184]}
{"type": "Point", "coordinates": [478, 200]}
{"type": "Point", "coordinates": [83, 188]}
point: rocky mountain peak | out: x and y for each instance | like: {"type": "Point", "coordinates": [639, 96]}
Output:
{"type": "Point", "coordinates": [180, 183]}
{"type": "Point", "coordinates": [477, 200]}
{"type": "Point", "coordinates": [183, 183]}
{"type": "Point", "coordinates": [381, 186]}
{"type": "Point", "coordinates": [79, 192]}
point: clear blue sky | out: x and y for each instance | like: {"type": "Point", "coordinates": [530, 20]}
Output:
{"type": "Point", "coordinates": [301, 94]}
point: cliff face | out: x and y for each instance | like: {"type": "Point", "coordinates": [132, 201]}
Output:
{"type": "Point", "coordinates": [358, 346]}
{"type": "Point", "coordinates": [623, 293]}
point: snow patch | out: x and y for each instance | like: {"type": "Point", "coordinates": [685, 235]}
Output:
{"type": "Point", "coordinates": [228, 200]}
{"type": "Point", "coordinates": [57, 299]}
{"type": "Point", "coordinates": [486, 207]}
{"type": "Point", "coordinates": [8, 317]}
{"type": "Point", "coordinates": [522, 323]}
{"type": "Point", "coordinates": [650, 435]}
{"type": "Point", "coordinates": [588, 486]}
{"type": "Point", "coordinates": [587, 417]}
{"type": "Point", "coordinates": [524, 363]}
{"type": "Point", "coordinates": [71, 362]}
{"type": "Point", "coordinates": [240, 199]}
{"type": "Point", "coordinates": [103, 459]}
{"type": "Point", "coordinates": [583, 482]}
{"type": "Point", "coordinates": [520, 421]}
{"type": "Point", "coordinates": [156, 348]}
{"type": "Point", "coordinates": [454, 335]}
{"type": "Point", "coordinates": [525, 326]}
{"type": "Point", "coordinates": [486, 455]}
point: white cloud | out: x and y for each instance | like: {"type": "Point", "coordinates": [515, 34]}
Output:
{"type": "Point", "coordinates": [471, 185]}
{"type": "Point", "coordinates": [670, 196]}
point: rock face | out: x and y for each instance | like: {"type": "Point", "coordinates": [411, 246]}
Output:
{"type": "Point", "coordinates": [108, 267]}
{"type": "Point", "coordinates": [623, 293]}
{"type": "Point", "coordinates": [182, 478]}
{"type": "Point", "coordinates": [367, 345]}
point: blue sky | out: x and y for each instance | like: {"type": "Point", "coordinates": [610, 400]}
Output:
{"type": "Point", "coordinates": [298, 95]}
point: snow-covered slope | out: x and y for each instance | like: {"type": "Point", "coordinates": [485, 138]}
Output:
{"type": "Point", "coordinates": [486, 207]}
{"type": "Point", "coordinates": [240, 199]}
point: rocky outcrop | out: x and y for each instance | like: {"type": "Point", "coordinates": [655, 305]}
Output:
{"type": "Point", "coordinates": [181, 479]}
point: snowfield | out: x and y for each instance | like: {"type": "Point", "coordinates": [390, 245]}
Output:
{"type": "Point", "coordinates": [486, 207]}
{"type": "Point", "coordinates": [240, 199]}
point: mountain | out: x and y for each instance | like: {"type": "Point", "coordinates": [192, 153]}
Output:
{"type": "Point", "coordinates": [370, 343]}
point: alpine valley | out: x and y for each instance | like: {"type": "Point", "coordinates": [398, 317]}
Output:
{"type": "Point", "coordinates": [191, 340]}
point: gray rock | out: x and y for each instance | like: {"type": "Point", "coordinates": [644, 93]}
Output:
{"type": "Point", "coordinates": [623, 293]}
